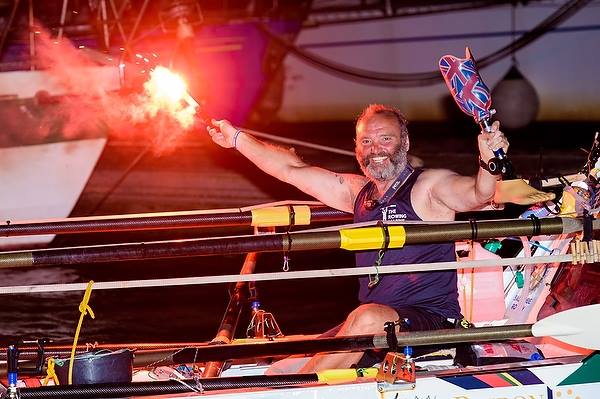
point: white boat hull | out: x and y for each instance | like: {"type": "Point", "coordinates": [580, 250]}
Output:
{"type": "Point", "coordinates": [521, 381]}
{"type": "Point", "coordinates": [44, 181]}
{"type": "Point", "coordinates": [561, 65]}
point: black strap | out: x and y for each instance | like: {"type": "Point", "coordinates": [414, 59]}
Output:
{"type": "Point", "coordinates": [386, 235]}
{"type": "Point", "coordinates": [292, 214]}
{"type": "Point", "coordinates": [286, 252]}
{"type": "Point", "coordinates": [390, 336]}
{"type": "Point", "coordinates": [537, 225]}
{"type": "Point", "coordinates": [474, 232]}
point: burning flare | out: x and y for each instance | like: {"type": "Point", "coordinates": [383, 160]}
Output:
{"type": "Point", "coordinates": [160, 114]}
{"type": "Point", "coordinates": [167, 92]}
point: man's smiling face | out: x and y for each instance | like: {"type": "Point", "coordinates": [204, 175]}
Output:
{"type": "Point", "coordinates": [381, 150]}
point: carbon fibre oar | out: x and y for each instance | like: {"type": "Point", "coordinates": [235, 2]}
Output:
{"type": "Point", "coordinates": [578, 326]}
{"type": "Point", "coordinates": [200, 385]}
{"type": "Point", "coordinates": [271, 216]}
{"type": "Point", "coordinates": [29, 352]}
{"type": "Point", "coordinates": [353, 239]}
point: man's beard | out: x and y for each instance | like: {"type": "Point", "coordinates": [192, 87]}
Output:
{"type": "Point", "coordinates": [382, 172]}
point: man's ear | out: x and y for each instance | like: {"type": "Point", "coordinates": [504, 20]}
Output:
{"type": "Point", "coordinates": [407, 144]}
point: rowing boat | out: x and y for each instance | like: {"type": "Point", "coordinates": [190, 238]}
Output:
{"type": "Point", "coordinates": [563, 372]}
{"type": "Point", "coordinates": [555, 357]}
{"type": "Point", "coordinates": [564, 376]}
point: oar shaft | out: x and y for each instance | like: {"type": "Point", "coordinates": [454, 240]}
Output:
{"type": "Point", "coordinates": [277, 216]}
{"type": "Point", "coordinates": [30, 352]}
{"type": "Point", "coordinates": [362, 238]}
{"type": "Point", "coordinates": [274, 348]}
{"type": "Point", "coordinates": [438, 337]}
{"type": "Point", "coordinates": [140, 251]}
{"type": "Point", "coordinates": [419, 234]}
{"type": "Point", "coordinates": [331, 344]}
{"type": "Point", "coordinates": [163, 387]}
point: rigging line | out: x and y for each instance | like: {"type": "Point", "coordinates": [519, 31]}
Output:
{"type": "Point", "coordinates": [8, 25]}
{"type": "Point", "coordinates": [412, 158]}
{"type": "Point", "coordinates": [117, 15]}
{"type": "Point", "coordinates": [303, 274]}
{"type": "Point", "coordinates": [316, 19]}
{"type": "Point", "coordinates": [414, 39]}
{"type": "Point", "coordinates": [555, 19]}
{"type": "Point", "coordinates": [300, 143]}
{"type": "Point", "coordinates": [425, 78]}
{"type": "Point", "coordinates": [63, 18]}
{"type": "Point", "coordinates": [136, 24]}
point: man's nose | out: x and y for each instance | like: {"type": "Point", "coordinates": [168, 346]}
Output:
{"type": "Point", "coordinates": [376, 147]}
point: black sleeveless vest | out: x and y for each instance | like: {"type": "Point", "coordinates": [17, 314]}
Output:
{"type": "Point", "coordinates": [432, 291]}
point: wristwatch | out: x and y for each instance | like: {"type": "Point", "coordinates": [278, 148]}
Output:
{"type": "Point", "coordinates": [493, 168]}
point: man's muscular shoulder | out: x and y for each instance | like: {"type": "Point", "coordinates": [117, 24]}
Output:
{"type": "Point", "coordinates": [431, 177]}
{"type": "Point", "coordinates": [424, 203]}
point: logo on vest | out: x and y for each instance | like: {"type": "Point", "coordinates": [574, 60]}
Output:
{"type": "Point", "coordinates": [390, 213]}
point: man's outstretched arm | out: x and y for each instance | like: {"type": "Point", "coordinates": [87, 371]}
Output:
{"type": "Point", "coordinates": [467, 193]}
{"type": "Point", "coordinates": [337, 190]}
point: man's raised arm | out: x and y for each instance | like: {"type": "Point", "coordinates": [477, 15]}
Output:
{"type": "Point", "coordinates": [467, 193]}
{"type": "Point", "coordinates": [337, 190]}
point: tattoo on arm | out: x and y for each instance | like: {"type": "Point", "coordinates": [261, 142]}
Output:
{"type": "Point", "coordinates": [341, 179]}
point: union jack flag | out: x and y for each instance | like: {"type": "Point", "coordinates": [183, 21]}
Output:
{"type": "Point", "coordinates": [465, 85]}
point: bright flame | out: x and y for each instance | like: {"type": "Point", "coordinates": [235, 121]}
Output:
{"type": "Point", "coordinates": [164, 84]}
{"type": "Point", "coordinates": [162, 113]}
{"type": "Point", "coordinates": [167, 92]}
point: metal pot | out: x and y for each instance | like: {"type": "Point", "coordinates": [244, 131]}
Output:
{"type": "Point", "coordinates": [97, 367]}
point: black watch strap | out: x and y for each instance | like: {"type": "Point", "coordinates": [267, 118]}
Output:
{"type": "Point", "coordinates": [492, 167]}
{"type": "Point", "coordinates": [484, 165]}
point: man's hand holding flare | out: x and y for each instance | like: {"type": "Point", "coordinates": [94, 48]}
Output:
{"type": "Point", "coordinates": [223, 133]}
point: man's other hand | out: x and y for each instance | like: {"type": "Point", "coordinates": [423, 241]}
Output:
{"type": "Point", "coordinates": [490, 141]}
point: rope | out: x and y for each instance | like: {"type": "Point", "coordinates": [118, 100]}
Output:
{"type": "Point", "coordinates": [84, 308]}
{"type": "Point", "coordinates": [50, 373]}
{"type": "Point", "coordinates": [387, 79]}
{"type": "Point", "coordinates": [337, 272]}
{"type": "Point", "coordinates": [300, 143]}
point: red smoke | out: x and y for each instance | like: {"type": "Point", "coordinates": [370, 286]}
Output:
{"type": "Point", "coordinates": [90, 108]}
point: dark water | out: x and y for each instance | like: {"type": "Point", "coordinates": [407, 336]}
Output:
{"type": "Point", "coordinates": [183, 313]}
{"type": "Point", "coordinates": [193, 313]}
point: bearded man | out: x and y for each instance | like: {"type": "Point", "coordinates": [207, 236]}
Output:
{"type": "Point", "coordinates": [390, 190]}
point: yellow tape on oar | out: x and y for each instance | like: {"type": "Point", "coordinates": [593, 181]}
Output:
{"type": "Point", "coordinates": [280, 216]}
{"type": "Point", "coordinates": [340, 376]}
{"type": "Point", "coordinates": [371, 238]}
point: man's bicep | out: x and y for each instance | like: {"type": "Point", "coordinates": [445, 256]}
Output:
{"type": "Point", "coordinates": [336, 190]}
{"type": "Point", "coordinates": [456, 192]}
